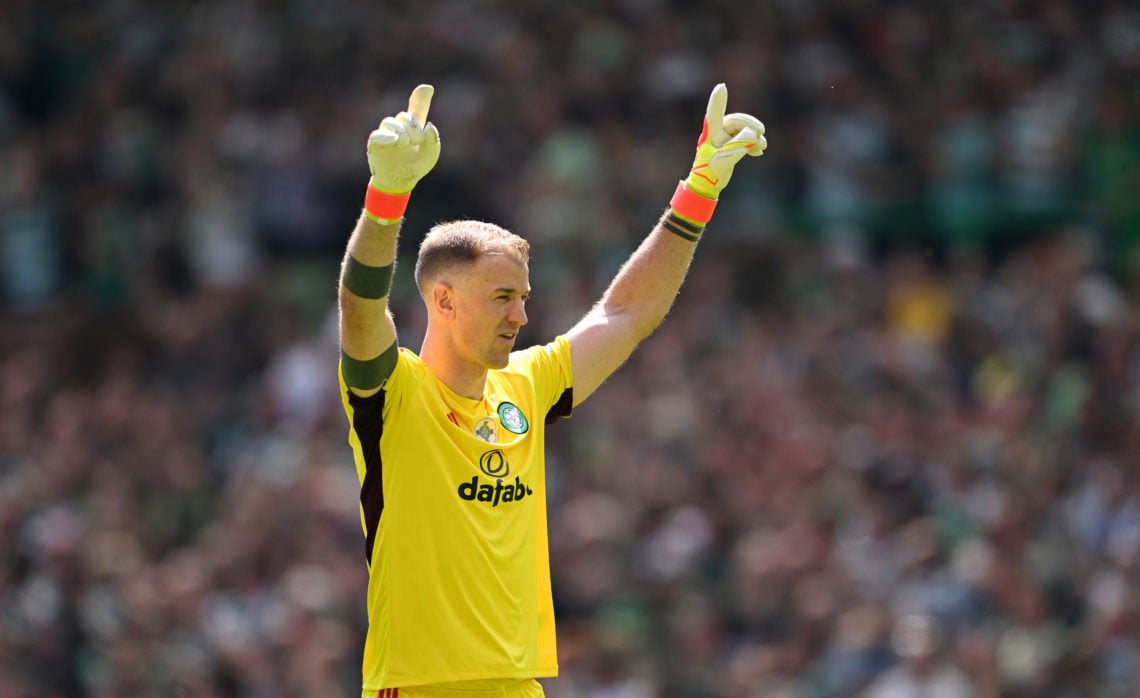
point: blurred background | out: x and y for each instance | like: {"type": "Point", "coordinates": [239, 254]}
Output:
{"type": "Point", "coordinates": [886, 445]}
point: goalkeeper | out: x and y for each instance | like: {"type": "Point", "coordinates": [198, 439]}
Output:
{"type": "Point", "coordinates": [448, 443]}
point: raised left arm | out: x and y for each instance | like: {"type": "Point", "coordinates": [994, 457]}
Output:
{"type": "Point", "coordinates": [641, 294]}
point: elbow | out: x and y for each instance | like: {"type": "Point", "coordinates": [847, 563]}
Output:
{"type": "Point", "coordinates": [645, 324]}
{"type": "Point", "coordinates": [355, 310]}
{"type": "Point", "coordinates": [649, 327]}
{"type": "Point", "coordinates": [349, 303]}
{"type": "Point", "coordinates": [638, 322]}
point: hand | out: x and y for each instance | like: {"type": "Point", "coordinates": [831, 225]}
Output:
{"type": "Point", "coordinates": [405, 147]}
{"type": "Point", "coordinates": [723, 142]}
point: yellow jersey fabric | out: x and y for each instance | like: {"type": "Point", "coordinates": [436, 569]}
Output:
{"type": "Point", "coordinates": [498, 688]}
{"type": "Point", "coordinates": [453, 505]}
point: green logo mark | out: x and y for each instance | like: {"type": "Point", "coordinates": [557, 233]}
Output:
{"type": "Point", "coordinates": [512, 418]}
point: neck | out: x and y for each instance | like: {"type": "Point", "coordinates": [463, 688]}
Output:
{"type": "Point", "coordinates": [464, 378]}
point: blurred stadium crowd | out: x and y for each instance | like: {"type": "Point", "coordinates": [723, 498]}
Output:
{"type": "Point", "coordinates": [886, 445]}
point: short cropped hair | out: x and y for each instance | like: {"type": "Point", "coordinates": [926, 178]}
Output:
{"type": "Point", "coordinates": [461, 243]}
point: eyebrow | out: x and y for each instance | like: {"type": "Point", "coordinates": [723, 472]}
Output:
{"type": "Point", "coordinates": [510, 289]}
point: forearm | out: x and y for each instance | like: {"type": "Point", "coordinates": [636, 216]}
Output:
{"type": "Point", "coordinates": [372, 243]}
{"type": "Point", "coordinates": [647, 284]}
{"type": "Point", "coordinates": [635, 303]}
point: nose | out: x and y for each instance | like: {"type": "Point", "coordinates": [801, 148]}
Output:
{"type": "Point", "coordinates": [517, 314]}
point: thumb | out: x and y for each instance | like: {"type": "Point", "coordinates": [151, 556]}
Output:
{"type": "Point", "coordinates": [420, 102]}
{"type": "Point", "coordinates": [714, 116]}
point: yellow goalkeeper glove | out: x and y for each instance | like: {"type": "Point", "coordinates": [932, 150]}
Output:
{"type": "Point", "coordinates": [724, 140]}
{"type": "Point", "coordinates": [401, 151]}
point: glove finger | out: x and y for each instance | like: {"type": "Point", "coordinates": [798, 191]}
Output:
{"type": "Point", "coordinates": [413, 128]}
{"type": "Point", "coordinates": [735, 123]}
{"type": "Point", "coordinates": [391, 123]}
{"type": "Point", "coordinates": [397, 127]}
{"type": "Point", "coordinates": [429, 149]}
{"type": "Point", "coordinates": [759, 148]}
{"type": "Point", "coordinates": [747, 141]}
{"type": "Point", "coordinates": [408, 120]}
{"type": "Point", "coordinates": [382, 137]}
{"type": "Point", "coordinates": [714, 115]}
{"type": "Point", "coordinates": [420, 102]}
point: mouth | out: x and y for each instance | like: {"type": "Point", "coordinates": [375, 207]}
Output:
{"type": "Point", "coordinates": [509, 336]}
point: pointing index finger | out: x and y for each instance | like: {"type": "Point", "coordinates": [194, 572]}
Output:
{"type": "Point", "coordinates": [714, 115]}
{"type": "Point", "coordinates": [420, 102]}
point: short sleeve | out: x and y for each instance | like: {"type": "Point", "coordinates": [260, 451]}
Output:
{"type": "Point", "coordinates": [550, 368]}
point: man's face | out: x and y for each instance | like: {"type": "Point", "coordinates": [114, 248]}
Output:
{"type": "Point", "coordinates": [490, 299]}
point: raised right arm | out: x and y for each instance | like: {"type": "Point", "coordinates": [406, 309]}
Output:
{"type": "Point", "coordinates": [400, 152]}
{"type": "Point", "coordinates": [367, 331]}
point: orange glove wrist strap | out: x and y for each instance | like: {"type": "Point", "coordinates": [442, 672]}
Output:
{"type": "Point", "coordinates": [384, 206]}
{"type": "Point", "coordinates": [691, 205]}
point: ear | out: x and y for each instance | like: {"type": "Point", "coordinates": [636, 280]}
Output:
{"type": "Point", "coordinates": [443, 299]}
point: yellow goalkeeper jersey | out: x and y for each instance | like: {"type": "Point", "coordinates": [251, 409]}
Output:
{"type": "Point", "coordinates": [453, 504]}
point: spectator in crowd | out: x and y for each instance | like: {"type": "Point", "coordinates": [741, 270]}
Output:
{"type": "Point", "coordinates": [917, 641]}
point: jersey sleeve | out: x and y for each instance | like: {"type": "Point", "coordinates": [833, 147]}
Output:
{"type": "Point", "coordinates": [391, 390]}
{"type": "Point", "coordinates": [550, 368]}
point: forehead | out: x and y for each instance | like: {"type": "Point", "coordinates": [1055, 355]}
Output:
{"type": "Point", "coordinates": [493, 271]}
